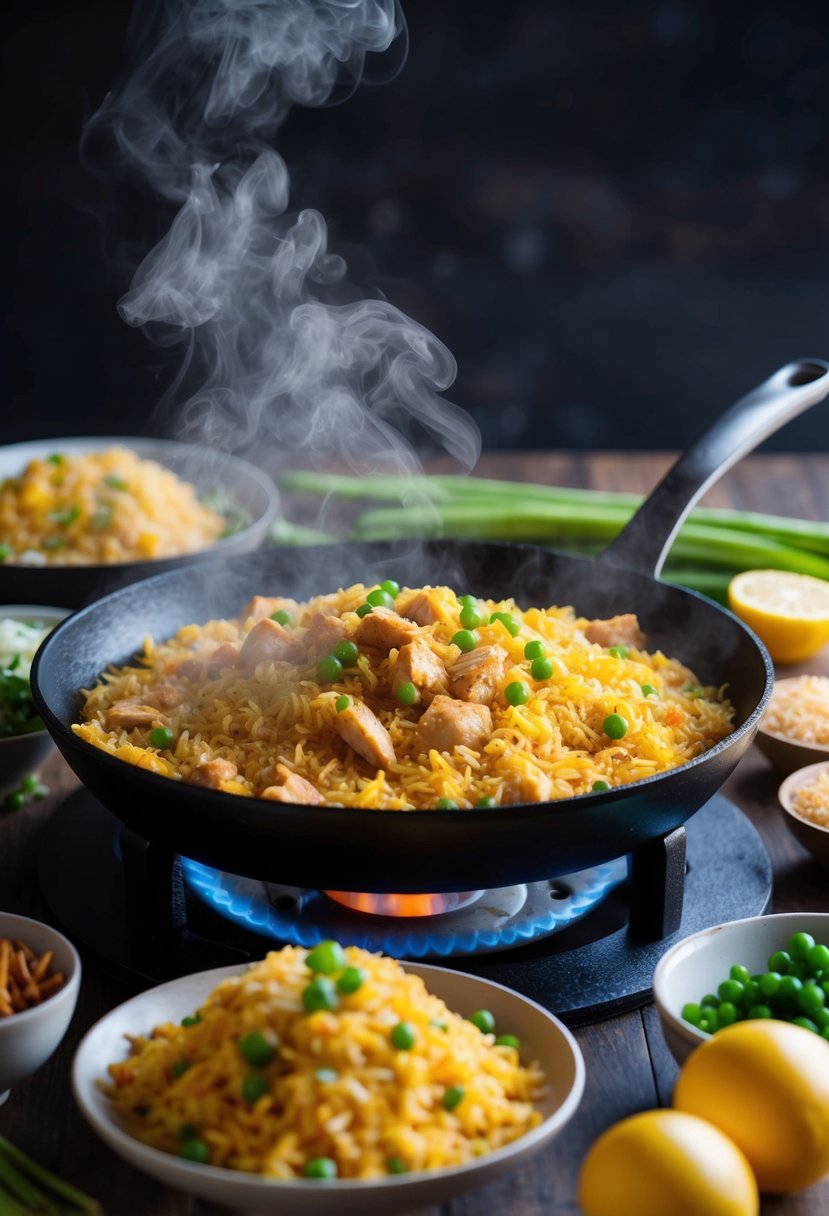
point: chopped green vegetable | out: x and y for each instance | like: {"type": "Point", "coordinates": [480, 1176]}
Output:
{"type": "Point", "coordinates": [256, 1050]}
{"type": "Point", "coordinates": [396, 1165]}
{"type": "Point", "coordinates": [64, 516]}
{"type": "Point", "coordinates": [508, 1040]}
{"type": "Point", "coordinates": [363, 610]}
{"type": "Point", "coordinates": [115, 482]}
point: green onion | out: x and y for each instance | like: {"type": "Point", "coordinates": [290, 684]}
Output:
{"type": "Point", "coordinates": [49, 1182]}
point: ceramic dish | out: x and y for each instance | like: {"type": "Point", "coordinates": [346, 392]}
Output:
{"type": "Point", "coordinates": [29, 1037]}
{"type": "Point", "coordinates": [23, 754]}
{"type": "Point", "coordinates": [543, 1038]}
{"type": "Point", "coordinates": [699, 963]}
{"type": "Point", "coordinates": [784, 752]}
{"type": "Point", "coordinates": [244, 487]}
{"type": "Point", "coordinates": [811, 835]}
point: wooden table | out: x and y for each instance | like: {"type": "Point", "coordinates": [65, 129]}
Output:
{"type": "Point", "coordinates": [628, 1066]}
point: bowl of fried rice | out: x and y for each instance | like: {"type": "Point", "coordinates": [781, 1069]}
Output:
{"type": "Point", "coordinates": [328, 1080]}
{"type": "Point", "coordinates": [80, 517]}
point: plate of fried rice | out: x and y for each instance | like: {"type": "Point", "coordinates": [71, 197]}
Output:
{"type": "Point", "coordinates": [404, 699]}
{"type": "Point", "coordinates": [328, 1080]}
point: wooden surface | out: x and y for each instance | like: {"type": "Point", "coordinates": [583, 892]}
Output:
{"type": "Point", "coordinates": [628, 1066]}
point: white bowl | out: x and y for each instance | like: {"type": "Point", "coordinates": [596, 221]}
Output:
{"type": "Point", "coordinates": [812, 836]}
{"type": "Point", "coordinates": [542, 1036]}
{"type": "Point", "coordinates": [698, 964]}
{"type": "Point", "coordinates": [23, 754]}
{"type": "Point", "coordinates": [28, 1038]}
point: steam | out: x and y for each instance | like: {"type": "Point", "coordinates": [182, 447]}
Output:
{"type": "Point", "coordinates": [276, 351]}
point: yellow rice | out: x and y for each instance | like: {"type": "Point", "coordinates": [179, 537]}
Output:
{"type": "Point", "coordinates": [374, 1103]}
{"type": "Point", "coordinates": [284, 713]}
{"type": "Point", "coordinates": [100, 508]}
{"type": "Point", "coordinates": [811, 800]}
{"type": "Point", "coordinates": [799, 709]}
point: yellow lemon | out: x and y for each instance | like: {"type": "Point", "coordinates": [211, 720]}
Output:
{"type": "Point", "coordinates": [789, 612]}
{"type": "Point", "coordinates": [766, 1085]}
{"type": "Point", "coordinates": [663, 1162]}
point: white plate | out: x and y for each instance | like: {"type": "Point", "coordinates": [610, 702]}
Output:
{"type": "Point", "coordinates": [543, 1038]}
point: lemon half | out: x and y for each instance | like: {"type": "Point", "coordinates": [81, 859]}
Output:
{"type": "Point", "coordinates": [788, 612]}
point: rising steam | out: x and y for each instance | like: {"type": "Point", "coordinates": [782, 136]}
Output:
{"type": "Point", "coordinates": [277, 353]}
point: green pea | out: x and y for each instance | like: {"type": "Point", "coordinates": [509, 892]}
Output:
{"type": "Point", "coordinates": [187, 1131]}
{"type": "Point", "coordinates": [396, 1165]}
{"type": "Point", "coordinates": [708, 1020]}
{"type": "Point", "coordinates": [615, 726]}
{"type": "Point", "coordinates": [600, 786]}
{"type": "Point", "coordinates": [484, 1020]}
{"type": "Point", "coordinates": [15, 800]}
{"type": "Point", "coordinates": [801, 945]}
{"type": "Point", "coordinates": [320, 1167]}
{"type": "Point", "coordinates": [403, 1036]}
{"type": "Point", "coordinates": [709, 1000]}
{"type": "Point", "coordinates": [329, 668]}
{"type": "Point", "coordinates": [780, 961]}
{"type": "Point", "coordinates": [691, 1012]}
{"type": "Point", "coordinates": [29, 784]}
{"type": "Point", "coordinates": [342, 702]}
{"type": "Point", "coordinates": [819, 958]}
{"type": "Point", "coordinates": [256, 1050]}
{"type": "Point", "coordinates": [465, 639]}
{"type": "Point", "coordinates": [619, 652]}
{"type": "Point", "coordinates": [253, 1087]}
{"type": "Point", "coordinates": [390, 587]}
{"type": "Point", "coordinates": [486, 802]}
{"type": "Point", "coordinates": [5, 551]}
{"type": "Point", "coordinates": [726, 1014]}
{"type": "Point", "coordinates": [789, 990]}
{"type": "Point", "coordinates": [508, 621]}
{"type": "Point", "coordinates": [517, 693]}
{"type": "Point", "coordinates": [541, 669]}
{"type": "Point", "coordinates": [806, 1023]}
{"type": "Point", "coordinates": [380, 599]}
{"type": "Point", "coordinates": [760, 1011]}
{"type": "Point", "coordinates": [351, 980]}
{"type": "Point", "coordinates": [446, 804]}
{"type": "Point", "coordinates": [363, 610]}
{"type": "Point", "coordinates": [326, 1076]}
{"type": "Point", "coordinates": [751, 993]}
{"type": "Point", "coordinates": [811, 998]}
{"type": "Point", "coordinates": [161, 737]}
{"type": "Point", "coordinates": [55, 458]}
{"type": "Point", "coordinates": [406, 693]}
{"type": "Point", "coordinates": [740, 973]}
{"type": "Point", "coordinates": [508, 1040]}
{"type": "Point", "coordinates": [648, 690]}
{"type": "Point", "coordinates": [195, 1150]}
{"type": "Point", "coordinates": [730, 991]}
{"type": "Point", "coordinates": [347, 653]}
{"type": "Point", "coordinates": [326, 958]}
{"type": "Point", "coordinates": [282, 617]}
{"type": "Point", "coordinates": [471, 616]}
{"type": "Point", "coordinates": [320, 994]}
{"type": "Point", "coordinates": [180, 1067]}
{"type": "Point", "coordinates": [453, 1097]}
{"type": "Point", "coordinates": [191, 1019]}
{"type": "Point", "coordinates": [535, 650]}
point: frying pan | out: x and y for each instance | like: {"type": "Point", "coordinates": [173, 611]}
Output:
{"type": "Point", "coordinates": [435, 850]}
{"type": "Point", "coordinates": [244, 487]}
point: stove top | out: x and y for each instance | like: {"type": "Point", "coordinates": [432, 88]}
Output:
{"type": "Point", "coordinates": [126, 902]}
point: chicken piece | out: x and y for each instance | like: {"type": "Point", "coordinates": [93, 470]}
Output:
{"type": "Point", "coordinates": [129, 713]}
{"type": "Point", "coordinates": [211, 773]}
{"type": "Point", "coordinates": [616, 631]}
{"type": "Point", "coordinates": [262, 606]}
{"type": "Point", "coordinates": [422, 607]}
{"type": "Point", "coordinates": [325, 632]}
{"type": "Point", "coordinates": [210, 666]}
{"type": "Point", "coordinates": [448, 723]}
{"type": "Point", "coordinates": [384, 629]}
{"type": "Point", "coordinates": [418, 665]}
{"type": "Point", "coordinates": [363, 731]}
{"type": "Point", "coordinates": [530, 785]}
{"type": "Point", "coordinates": [475, 676]}
{"type": "Point", "coordinates": [292, 788]}
{"type": "Point", "coordinates": [268, 642]}
{"type": "Point", "coordinates": [164, 696]}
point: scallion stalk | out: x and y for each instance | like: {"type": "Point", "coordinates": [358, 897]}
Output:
{"type": "Point", "coordinates": [22, 1189]}
{"type": "Point", "coordinates": [50, 1182]}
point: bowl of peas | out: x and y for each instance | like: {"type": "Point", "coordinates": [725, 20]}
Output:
{"type": "Point", "coordinates": [762, 967]}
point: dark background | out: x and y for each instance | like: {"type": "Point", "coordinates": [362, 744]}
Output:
{"type": "Point", "coordinates": [615, 215]}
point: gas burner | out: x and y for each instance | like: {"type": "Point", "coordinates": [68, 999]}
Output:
{"type": "Point", "coordinates": [499, 919]}
{"type": "Point", "coordinates": [124, 901]}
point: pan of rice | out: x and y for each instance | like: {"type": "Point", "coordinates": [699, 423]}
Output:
{"type": "Point", "coordinates": [79, 517]}
{"type": "Point", "coordinates": [328, 1079]}
{"type": "Point", "coordinates": [590, 710]}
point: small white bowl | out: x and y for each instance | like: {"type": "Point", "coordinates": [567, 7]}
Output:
{"type": "Point", "coordinates": [785, 752]}
{"type": "Point", "coordinates": [698, 964]}
{"type": "Point", "coordinates": [28, 1038]}
{"type": "Point", "coordinates": [811, 835]}
{"type": "Point", "coordinates": [543, 1038]}
{"type": "Point", "coordinates": [23, 754]}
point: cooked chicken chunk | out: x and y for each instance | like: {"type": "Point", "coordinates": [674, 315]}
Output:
{"type": "Point", "coordinates": [422, 607]}
{"type": "Point", "coordinates": [129, 713]}
{"type": "Point", "coordinates": [384, 629]}
{"type": "Point", "coordinates": [616, 631]}
{"type": "Point", "coordinates": [475, 676]}
{"type": "Point", "coordinates": [531, 785]}
{"type": "Point", "coordinates": [211, 665]}
{"type": "Point", "coordinates": [211, 773]}
{"type": "Point", "coordinates": [362, 730]}
{"type": "Point", "coordinates": [325, 632]}
{"type": "Point", "coordinates": [418, 665]}
{"type": "Point", "coordinates": [447, 724]}
{"type": "Point", "coordinates": [262, 606]}
{"type": "Point", "coordinates": [268, 642]}
{"type": "Point", "coordinates": [292, 788]}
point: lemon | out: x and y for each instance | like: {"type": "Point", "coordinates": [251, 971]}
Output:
{"type": "Point", "coordinates": [766, 1085]}
{"type": "Point", "coordinates": [789, 612]}
{"type": "Point", "coordinates": [663, 1162]}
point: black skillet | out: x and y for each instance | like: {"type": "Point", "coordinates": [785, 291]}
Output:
{"type": "Point", "coordinates": [372, 850]}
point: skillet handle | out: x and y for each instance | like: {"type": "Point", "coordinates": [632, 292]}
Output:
{"type": "Point", "coordinates": [644, 542]}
